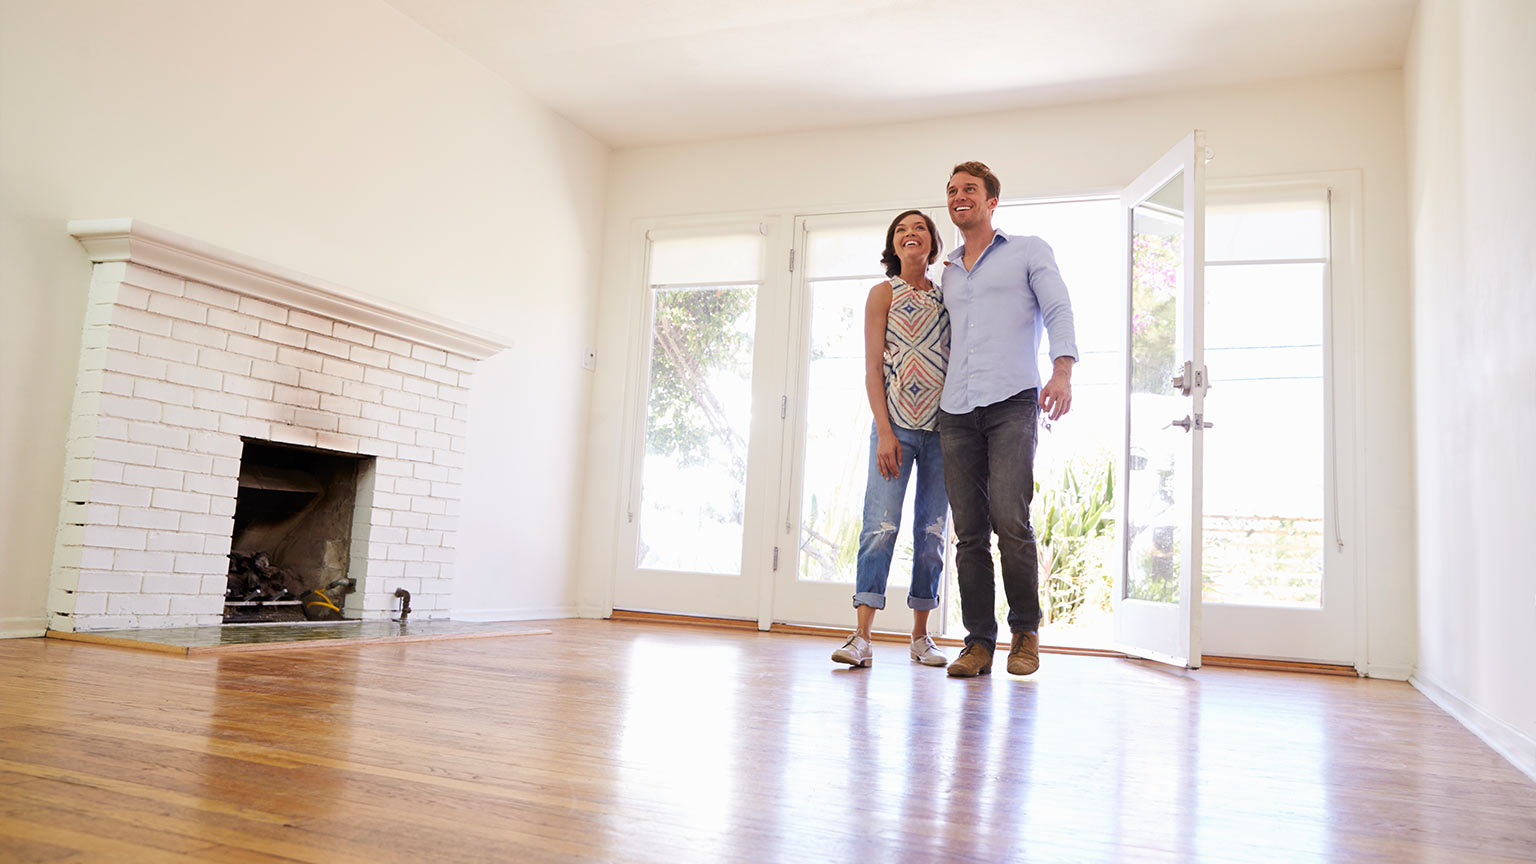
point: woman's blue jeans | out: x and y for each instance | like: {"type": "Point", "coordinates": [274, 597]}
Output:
{"type": "Point", "coordinates": [882, 518]}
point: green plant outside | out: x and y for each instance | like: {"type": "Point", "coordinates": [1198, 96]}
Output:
{"type": "Point", "coordinates": [1074, 539]}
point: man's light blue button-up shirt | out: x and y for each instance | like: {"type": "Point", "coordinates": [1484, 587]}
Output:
{"type": "Point", "coordinates": [997, 311]}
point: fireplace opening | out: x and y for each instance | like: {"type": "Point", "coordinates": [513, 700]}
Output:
{"type": "Point", "coordinates": [292, 544]}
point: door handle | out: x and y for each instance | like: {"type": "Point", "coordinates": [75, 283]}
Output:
{"type": "Point", "coordinates": [1187, 424]}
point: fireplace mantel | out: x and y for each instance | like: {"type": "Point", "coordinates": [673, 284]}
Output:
{"type": "Point", "coordinates": [136, 241]}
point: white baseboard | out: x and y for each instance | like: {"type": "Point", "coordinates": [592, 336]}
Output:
{"type": "Point", "coordinates": [1388, 672]}
{"type": "Point", "coordinates": [22, 628]}
{"type": "Point", "coordinates": [515, 614]}
{"type": "Point", "coordinates": [1506, 740]}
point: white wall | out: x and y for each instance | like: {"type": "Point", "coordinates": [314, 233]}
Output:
{"type": "Point", "coordinates": [338, 139]}
{"type": "Point", "coordinates": [1472, 135]}
{"type": "Point", "coordinates": [1344, 122]}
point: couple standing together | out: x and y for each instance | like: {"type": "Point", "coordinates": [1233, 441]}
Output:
{"type": "Point", "coordinates": [952, 379]}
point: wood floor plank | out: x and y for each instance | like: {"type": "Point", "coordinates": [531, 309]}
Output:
{"type": "Point", "coordinates": [53, 820]}
{"type": "Point", "coordinates": [639, 741]}
{"type": "Point", "coordinates": [216, 834]}
{"type": "Point", "coordinates": [15, 849]}
{"type": "Point", "coordinates": [85, 846]}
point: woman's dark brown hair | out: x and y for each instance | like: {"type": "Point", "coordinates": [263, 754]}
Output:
{"type": "Point", "coordinates": [888, 257]}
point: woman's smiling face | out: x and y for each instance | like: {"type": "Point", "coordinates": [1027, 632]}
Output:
{"type": "Point", "coordinates": [911, 238]}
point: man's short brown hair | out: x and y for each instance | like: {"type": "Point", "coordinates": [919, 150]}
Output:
{"type": "Point", "coordinates": [982, 172]}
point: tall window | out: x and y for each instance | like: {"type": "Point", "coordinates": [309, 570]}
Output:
{"type": "Point", "coordinates": [1266, 295]}
{"type": "Point", "coordinates": [703, 301]}
{"type": "Point", "coordinates": [842, 262]}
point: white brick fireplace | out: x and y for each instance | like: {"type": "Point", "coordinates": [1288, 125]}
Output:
{"type": "Point", "coordinates": [187, 351]}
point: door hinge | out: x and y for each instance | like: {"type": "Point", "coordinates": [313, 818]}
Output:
{"type": "Point", "coordinates": [791, 260]}
{"type": "Point", "coordinates": [783, 407]}
{"type": "Point", "coordinates": [775, 559]}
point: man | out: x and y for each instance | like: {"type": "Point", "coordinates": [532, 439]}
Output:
{"type": "Point", "coordinates": [1001, 290]}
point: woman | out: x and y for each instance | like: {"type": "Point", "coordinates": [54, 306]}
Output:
{"type": "Point", "coordinates": [906, 350]}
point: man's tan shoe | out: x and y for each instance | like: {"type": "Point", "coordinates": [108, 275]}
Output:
{"type": "Point", "coordinates": [1024, 657]}
{"type": "Point", "coordinates": [975, 660]}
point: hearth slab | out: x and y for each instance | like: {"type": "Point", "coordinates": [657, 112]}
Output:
{"type": "Point", "coordinates": [280, 637]}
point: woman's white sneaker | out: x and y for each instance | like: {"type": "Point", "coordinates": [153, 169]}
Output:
{"type": "Point", "coordinates": [927, 653]}
{"type": "Point", "coordinates": [855, 652]}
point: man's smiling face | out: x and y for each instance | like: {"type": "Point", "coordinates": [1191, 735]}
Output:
{"type": "Point", "coordinates": [968, 203]}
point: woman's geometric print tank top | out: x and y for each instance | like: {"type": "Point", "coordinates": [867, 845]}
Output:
{"type": "Point", "coordinates": [916, 355]}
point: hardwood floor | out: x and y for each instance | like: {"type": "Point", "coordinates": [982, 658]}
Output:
{"type": "Point", "coordinates": [624, 741]}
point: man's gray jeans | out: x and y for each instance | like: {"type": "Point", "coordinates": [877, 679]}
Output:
{"type": "Point", "coordinates": [989, 473]}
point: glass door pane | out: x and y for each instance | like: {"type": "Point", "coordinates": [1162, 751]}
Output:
{"type": "Point", "coordinates": [698, 413]}
{"type": "Point", "coordinates": [836, 432]}
{"type": "Point", "coordinates": [1263, 520]}
{"type": "Point", "coordinates": [842, 263]}
{"type": "Point", "coordinates": [1156, 467]}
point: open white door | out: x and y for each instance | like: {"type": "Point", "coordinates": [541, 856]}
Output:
{"type": "Point", "coordinates": [1157, 598]}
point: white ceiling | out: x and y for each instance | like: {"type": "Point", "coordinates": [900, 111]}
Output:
{"type": "Point", "coordinates": [659, 71]}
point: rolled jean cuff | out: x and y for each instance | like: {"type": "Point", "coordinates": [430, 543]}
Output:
{"type": "Point", "coordinates": [870, 599]}
{"type": "Point", "coordinates": [921, 603]}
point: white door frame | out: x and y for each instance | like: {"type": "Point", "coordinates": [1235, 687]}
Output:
{"type": "Point", "coordinates": [795, 601]}
{"type": "Point", "coordinates": [739, 596]}
{"type": "Point", "coordinates": [1336, 633]}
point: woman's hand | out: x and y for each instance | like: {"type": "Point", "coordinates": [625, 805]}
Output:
{"type": "Point", "coordinates": [888, 456]}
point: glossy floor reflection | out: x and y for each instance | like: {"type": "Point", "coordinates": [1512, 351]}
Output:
{"type": "Point", "coordinates": [622, 741]}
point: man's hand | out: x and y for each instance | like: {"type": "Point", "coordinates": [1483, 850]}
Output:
{"type": "Point", "coordinates": [1056, 396]}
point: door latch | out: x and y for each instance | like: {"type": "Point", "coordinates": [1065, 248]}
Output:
{"type": "Point", "coordinates": [1187, 424]}
{"type": "Point", "coordinates": [1184, 381]}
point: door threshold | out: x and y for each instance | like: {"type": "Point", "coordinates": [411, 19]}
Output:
{"type": "Point", "coordinates": [688, 620]}
{"type": "Point", "coordinates": [1278, 665]}
{"type": "Point", "coordinates": [949, 642]}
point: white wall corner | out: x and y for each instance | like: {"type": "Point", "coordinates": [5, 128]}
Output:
{"type": "Point", "coordinates": [1388, 671]}
{"type": "Point", "coordinates": [1506, 740]}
